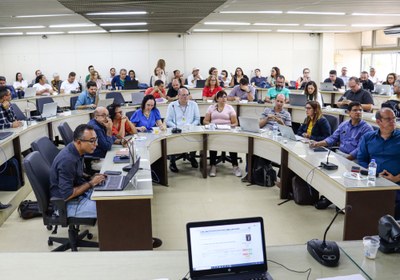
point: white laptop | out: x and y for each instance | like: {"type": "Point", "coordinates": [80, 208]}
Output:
{"type": "Point", "coordinates": [250, 124]}
{"type": "Point", "coordinates": [105, 102]}
{"type": "Point", "coordinates": [326, 87]}
{"type": "Point", "coordinates": [49, 110]}
{"type": "Point", "coordinates": [382, 89]}
{"type": "Point", "coordinates": [30, 92]}
{"type": "Point", "coordinates": [287, 132]}
{"type": "Point", "coordinates": [137, 97]}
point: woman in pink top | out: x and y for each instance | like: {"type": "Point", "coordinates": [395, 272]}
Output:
{"type": "Point", "coordinates": [222, 113]}
{"type": "Point", "coordinates": [211, 88]}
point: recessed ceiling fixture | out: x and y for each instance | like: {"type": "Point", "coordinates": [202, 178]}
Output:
{"type": "Point", "coordinates": [44, 33]}
{"type": "Point", "coordinates": [316, 13]}
{"type": "Point", "coordinates": [325, 25]}
{"type": "Point", "coordinates": [275, 24]}
{"type": "Point", "coordinates": [379, 15]}
{"type": "Point", "coordinates": [116, 13]}
{"type": "Point", "coordinates": [72, 25]}
{"type": "Point", "coordinates": [11, 34]}
{"type": "Point", "coordinates": [294, 31]}
{"type": "Point", "coordinates": [226, 23]}
{"type": "Point", "coordinates": [250, 12]}
{"type": "Point", "coordinates": [211, 30]}
{"type": "Point", "coordinates": [128, 30]}
{"type": "Point", "coordinates": [24, 27]}
{"type": "Point", "coordinates": [49, 15]}
{"type": "Point", "coordinates": [124, 24]}
{"type": "Point", "coordinates": [370, 25]}
{"type": "Point", "coordinates": [87, 31]}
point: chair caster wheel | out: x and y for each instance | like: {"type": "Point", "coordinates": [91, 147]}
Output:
{"type": "Point", "coordinates": [89, 236]}
{"type": "Point", "coordinates": [49, 227]}
{"type": "Point", "coordinates": [49, 242]}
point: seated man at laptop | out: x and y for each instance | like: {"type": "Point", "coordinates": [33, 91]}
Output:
{"type": "Point", "coordinates": [278, 89]}
{"type": "Point", "coordinates": [334, 79]}
{"type": "Point", "coordinates": [87, 99]}
{"type": "Point", "coordinates": [356, 93]}
{"type": "Point", "coordinates": [70, 85]}
{"type": "Point", "coordinates": [172, 93]}
{"type": "Point", "coordinates": [180, 113]}
{"type": "Point", "coordinates": [242, 91]}
{"type": "Point", "coordinates": [158, 91]}
{"type": "Point", "coordinates": [66, 177]}
{"type": "Point", "coordinates": [277, 114]}
{"type": "Point", "coordinates": [7, 115]}
{"type": "Point", "coordinates": [102, 125]}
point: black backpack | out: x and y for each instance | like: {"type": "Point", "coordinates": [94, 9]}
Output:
{"type": "Point", "coordinates": [10, 176]}
{"type": "Point", "coordinates": [262, 172]}
{"type": "Point", "coordinates": [303, 193]}
{"type": "Point", "coordinates": [394, 105]}
{"type": "Point", "coordinates": [29, 209]}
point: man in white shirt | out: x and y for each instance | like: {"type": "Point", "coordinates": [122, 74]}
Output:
{"type": "Point", "coordinates": [70, 85]}
{"type": "Point", "coordinates": [195, 76]}
{"type": "Point", "coordinates": [373, 77]}
{"type": "Point", "coordinates": [42, 88]}
{"type": "Point", "coordinates": [112, 75]}
{"type": "Point", "coordinates": [344, 76]}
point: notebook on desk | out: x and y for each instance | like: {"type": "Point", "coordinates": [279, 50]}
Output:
{"type": "Point", "coordinates": [227, 249]}
{"type": "Point", "coordinates": [119, 182]}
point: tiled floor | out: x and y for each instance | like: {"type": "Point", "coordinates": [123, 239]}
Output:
{"type": "Point", "coordinates": [190, 198]}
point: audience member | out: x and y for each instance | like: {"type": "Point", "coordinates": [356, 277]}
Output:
{"type": "Point", "coordinates": [70, 85]}
{"type": "Point", "coordinates": [102, 125]}
{"type": "Point", "coordinates": [159, 75]}
{"type": "Point", "coordinates": [195, 76]}
{"type": "Point", "coordinates": [158, 91]}
{"type": "Point", "coordinates": [179, 77]}
{"type": "Point", "coordinates": [303, 80]}
{"type": "Point", "coordinates": [312, 93]}
{"type": "Point", "coordinates": [95, 77]}
{"type": "Point", "coordinates": [279, 88]}
{"type": "Point", "coordinates": [122, 126]}
{"type": "Point", "coordinates": [275, 72]}
{"type": "Point", "coordinates": [383, 146]}
{"type": "Point", "coordinates": [224, 114]}
{"type": "Point", "coordinates": [242, 91]}
{"type": "Point", "coordinates": [367, 84]}
{"type": "Point", "coordinates": [225, 78]}
{"type": "Point", "coordinates": [148, 116]}
{"type": "Point", "coordinates": [396, 92]}
{"type": "Point", "coordinates": [316, 126]}
{"type": "Point", "coordinates": [118, 82]}
{"type": "Point", "coordinates": [258, 80]}
{"type": "Point", "coordinates": [7, 115]}
{"type": "Point", "coordinates": [20, 85]}
{"type": "Point", "coordinates": [42, 88]}
{"type": "Point", "coordinates": [67, 179]}
{"type": "Point", "coordinates": [235, 79]}
{"type": "Point", "coordinates": [211, 88]}
{"type": "Point", "coordinates": [172, 93]}
{"type": "Point", "coordinates": [3, 83]}
{"type": "Point", "coordinates": [87, 99]}
{"type": "Point", "coordinates": [56, 82]}
{"type": "Point", "coordinates": [336, 81]}
{"type": "Point", "coordinates": [276, 114]}
{"type": "Point", "coordinates": [390, 79]}
{"type": "Point", "coordinates": [91, 70]}
{"type": "Point", "coordinates": [111, 77]}
{"type": "Point", "coordinates": [344, 76]}
{"type": "Point", "coordinates": [356, 93]}
{"type": "Point", "coordinates": [37, 73]}
{"type": "Point", "coordinates": [180, 113]}
{"type": "Point", "coordinates": [132, 75]}
{"type": "Point", "coordinates": [373, 77]}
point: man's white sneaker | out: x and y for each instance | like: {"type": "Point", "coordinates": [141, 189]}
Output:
{"type": "Point", "coordinates": [213, 171]}
{"type": "Point", "coordinates": [237, 171]}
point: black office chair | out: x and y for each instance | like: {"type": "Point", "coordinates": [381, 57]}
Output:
{"type": "Point", "coordinates": [118, 98]}
{"type": "Point", "coordinates": [66, 133]}
{"type": "Point", "coordinates": [333, 122]}
{"type": "Point", "coordinates": [46, 148]}
{"type": "Point", "coordinates": [38, 173]}
{"type": "Point", "coordinates": [18, 113]}
{"type": "Point", "coordinates": [129, 114]}
{"type": "Point", "coordinates": [41, 101]}
{"type": "Point", "coordinates": [72, 102]}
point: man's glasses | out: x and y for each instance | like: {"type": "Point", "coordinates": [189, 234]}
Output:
{"type": "Point", "coordinates": [91, 140]}
{"type": "Point", "coordinates": [102, 115]}
{"type": "Point", "coordinates": [389, 119]}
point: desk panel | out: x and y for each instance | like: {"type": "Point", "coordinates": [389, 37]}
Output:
{"type": "Point", "coordinates": [268, 149]}
{"type": "Point", "coordinates": [183, 143]}
{"type": "Point", "coordinates": [227, 141]}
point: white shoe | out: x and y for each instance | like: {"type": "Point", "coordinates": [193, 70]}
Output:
{"type": "Point", "coordinates": [213, 171]}
{"type": "Point", "coordinates": [237, 171]}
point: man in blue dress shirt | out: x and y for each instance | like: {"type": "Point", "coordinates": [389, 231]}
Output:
{"type": "Point", "coordinates": [383, 146]}
{"type": "Point", "coordinates": [348, 134]}
{"type": "Point", "coordinates": [87, 99]}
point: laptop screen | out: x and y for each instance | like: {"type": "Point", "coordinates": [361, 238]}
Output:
{"type": "Point", "coordinates": [226, 246]}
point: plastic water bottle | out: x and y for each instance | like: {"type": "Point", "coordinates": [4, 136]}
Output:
{"type": "Point", "coordinates": [275, 131]}
{"type": "Point", "coordinates": [28, 114]}
{"type": "Point", "coordinates": [372, 171]}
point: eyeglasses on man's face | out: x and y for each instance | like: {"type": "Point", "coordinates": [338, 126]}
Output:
{"type": "Point", "coordinates": [91, 140]}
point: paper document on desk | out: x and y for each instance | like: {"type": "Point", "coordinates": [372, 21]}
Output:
{"type": "Point", "coordinates": [348, 277]}
{"type": "Point", "coordinates": [122, 152]}
{"type": "Point", "coordinates": [223, 126]}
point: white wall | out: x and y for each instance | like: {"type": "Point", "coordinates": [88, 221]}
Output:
{"type": "Point", "coordinates": [65, 53]}
{"type": "Point", "coordinates": [348, 53]}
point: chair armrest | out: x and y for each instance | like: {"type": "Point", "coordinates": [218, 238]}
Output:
{"type": "Point", "coordinates": [61, 206]}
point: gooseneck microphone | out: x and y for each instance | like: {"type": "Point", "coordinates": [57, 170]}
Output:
{"type": "Point", "coordinates": [326, 252]}
{"type": "Point", "coordinates": [328, 165]}
{"type": "Point", "coordinates": [175, 129]}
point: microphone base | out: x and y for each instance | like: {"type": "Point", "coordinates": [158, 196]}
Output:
{"type": "Point", "coordinates": [176, 130]}
{"type": "Point", "coordinates": [127, 168]}
{"type": "Point", "coordinates": [329, 166]}
{"type": "Point", "coordinates": [327, 254]}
